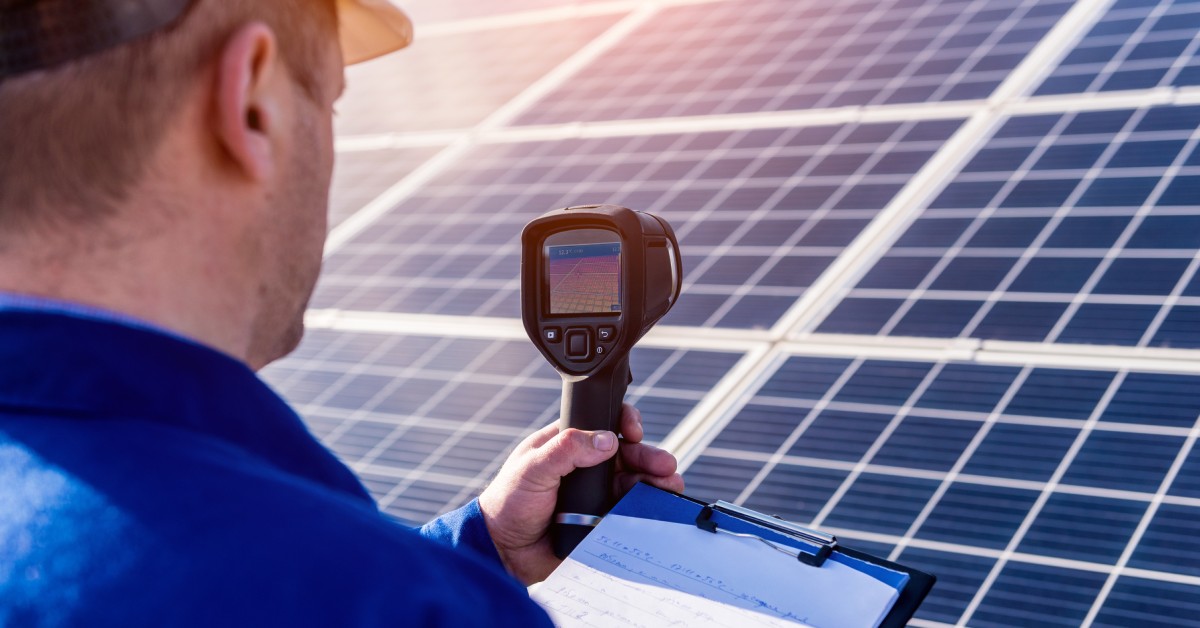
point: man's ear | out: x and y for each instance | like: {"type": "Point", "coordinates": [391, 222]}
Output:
{"type": "Point", "coordinates": [248, 99]}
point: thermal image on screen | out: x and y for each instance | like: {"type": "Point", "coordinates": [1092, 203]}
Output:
{"type": "Point", "coordinates": [584, 278]}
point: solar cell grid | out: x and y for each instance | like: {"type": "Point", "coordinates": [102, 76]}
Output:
{"type": "Point", "coordinates": [1077, 228]}
{"type": "Point", "coordinates": [1135, 45]}
{"type": "Point", "coordinates": [1028, 492]}
{"type": "Point", "coordinates": [745, 56]}
{"type": "Point", "coordinates": [1136, 600]}
{"type": "Point", "coordinates": [1014, 600]}
{"type": "Point", "coordinates": [881, 503]}
{"type": "Point", "coordinates": [434, 417]}
{"type": "Point", "coordinates": [759, 216]}
{"type": "Point", "coordinates": [959, 577]}
{"type": "Point", "coordinates": [793, 492]}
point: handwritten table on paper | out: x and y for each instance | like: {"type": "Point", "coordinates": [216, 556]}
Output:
{"type": "Point", "coordinates": [641, 572]}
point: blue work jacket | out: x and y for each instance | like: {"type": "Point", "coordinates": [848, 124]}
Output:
{"type": "Point", "coordinates": [146, 480]}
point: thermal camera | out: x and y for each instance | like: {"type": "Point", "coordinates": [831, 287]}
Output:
{"type": "Point", "coordinates": [594, 280]}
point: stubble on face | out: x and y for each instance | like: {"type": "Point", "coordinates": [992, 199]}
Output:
{"type": "Point", "coordinates": [294, 240]}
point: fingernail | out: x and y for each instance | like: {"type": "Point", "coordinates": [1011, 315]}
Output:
{"type": "Point", "coordinates": [604, 441]}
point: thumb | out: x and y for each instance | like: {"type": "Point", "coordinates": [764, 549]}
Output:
{"type": "Point", "coordinates": [572, 449]}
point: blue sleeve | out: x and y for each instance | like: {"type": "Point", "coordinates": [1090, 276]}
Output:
{"type": "Point", "coordinates": [464, 527]}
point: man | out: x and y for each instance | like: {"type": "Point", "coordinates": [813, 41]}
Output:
{"type": "Point", "coordinates": [163, 188]}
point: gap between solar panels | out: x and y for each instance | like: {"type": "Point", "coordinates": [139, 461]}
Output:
{"type": "Point", "coordinates": [773, 120]}
{"type": "Point", "coordinates": [950, 350]}
{"type": "Point", "coordinates": [754, 344]}
{"type": "Point", "coordinates": [763, 354]}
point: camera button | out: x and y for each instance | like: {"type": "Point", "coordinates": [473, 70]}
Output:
{"type": "Point", "coordinates": [552, 334]}
{"type": "Point", "coordinates": [578, 342]}
{"type": "Point", "coordinates": [606, 334]}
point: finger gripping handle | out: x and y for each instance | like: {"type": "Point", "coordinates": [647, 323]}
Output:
{"type": "Point", "coordinates": [589, 404]}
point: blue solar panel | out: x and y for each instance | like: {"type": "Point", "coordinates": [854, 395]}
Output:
{"type": "Point", "coordinates": [926, 443]}
{"type": "Point", "coordinates": [951, 463]}
{"type": "Point", "coordinates": [793, 492]}
{"type": "Point", "coordinates": [1083, 527]}
{"type": "Point", "coordinates": [968, 388]}
{"type": "Point", "coordinates": [428, 419]}
{"type": "Point", "coordinates": [1021, 452]}
{"type": "Point", "coordinates": [714, 478]}
{"type": "Point", "coordinates": [773, 55]}
{"type": "Point", "coordinates": [1170, 543]}
{"type": "Point", "coordinates": [1018, 597]}
{"type": "Point", "coordinates": [761, 429]}
{"type": "Point", "coordinates": [1135, 45]}
{"type": "Point", "coordinates": [756, 222]}
{"type": "Point", "coordinates": [881, 503]}
{"type": "Point", "coordinates": [840, 435]}
{"type": "Point", "coordinates": [1138, 601]}
{"type": "Point", "coordinates": [978, 515]}
{"type": "Point", "coordinates": [959, 578]}
{"type": "Point", "coordinates": [1123, 461]}
{"type": "Point", "coordinates": [1053, 231]}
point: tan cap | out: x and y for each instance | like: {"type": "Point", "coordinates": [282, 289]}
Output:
{"type": "Point", "coordinates": [371, 28]}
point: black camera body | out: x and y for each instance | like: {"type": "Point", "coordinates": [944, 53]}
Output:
{"type": "Point", "coordinates": [627, 277]}
{"type": "Point", "coordinates": [594, 280]}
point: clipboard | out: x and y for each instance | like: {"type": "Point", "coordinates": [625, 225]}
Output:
{"type": "Point", "coordinates": [812, 548]}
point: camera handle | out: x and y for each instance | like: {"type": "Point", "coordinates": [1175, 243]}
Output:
{"type": "Point", "coordinates": [591, 403]}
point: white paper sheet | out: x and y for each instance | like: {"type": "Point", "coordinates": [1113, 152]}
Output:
{"type": "Point", "coordinates": [647, 573]}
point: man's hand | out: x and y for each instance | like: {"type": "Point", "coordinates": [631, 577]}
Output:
{"type": "Point", "coordinates": [519, 503]}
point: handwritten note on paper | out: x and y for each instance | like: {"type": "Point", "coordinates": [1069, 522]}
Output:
{"type": "Point", "coordinates": [646, 573]}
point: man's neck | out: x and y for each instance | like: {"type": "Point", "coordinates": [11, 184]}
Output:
{"type": "Point", "coordinates": [139, 282]}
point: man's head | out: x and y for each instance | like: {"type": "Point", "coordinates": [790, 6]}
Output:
{"type": "Point", "coordinates": [199, 154]}
{"type": "Point", "coordinates": [86, 128]}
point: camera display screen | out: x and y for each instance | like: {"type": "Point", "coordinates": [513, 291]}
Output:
{"type": "Point", "coordinates": [584, 278]}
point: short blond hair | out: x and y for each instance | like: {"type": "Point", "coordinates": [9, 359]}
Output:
{"type": "Point", "coordinates": [80, 135]}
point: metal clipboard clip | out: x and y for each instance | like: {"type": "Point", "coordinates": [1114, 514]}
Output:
{"type": "Point", "coordinates": [825, 543]}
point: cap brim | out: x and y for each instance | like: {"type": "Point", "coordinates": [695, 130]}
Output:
{"type": "Point", "coordinates": [371, 28]}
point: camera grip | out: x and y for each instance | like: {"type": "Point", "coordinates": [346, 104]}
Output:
{"type": "Point", "coordinates": [592, 403]}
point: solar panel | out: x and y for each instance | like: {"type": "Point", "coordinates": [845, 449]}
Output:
{"type": "Point", "coordinates": [1006, 481]}
{"type": "Point", "coordinates": [427, 419]}
{"type": "Point", "coordinates": [774, 55]}
{"type": "Point", "coordinates": [1137, 44]}
{"type": "Point", "coordinates": [759, 214]}
{"type": "Point", "coordinates": [1075, 228]}
{"type": "Point", "coordinates": [941, 291]}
